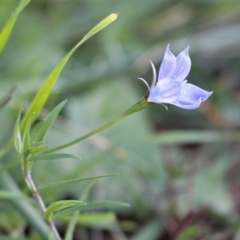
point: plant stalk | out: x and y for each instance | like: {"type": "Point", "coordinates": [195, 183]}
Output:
{"type": "Point", "coordinates": [37, 196]}
{"type": "Point", "coordinates": [135, 108]}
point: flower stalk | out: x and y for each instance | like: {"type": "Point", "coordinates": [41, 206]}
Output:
{"type": "Point", "coordinates": [143, 103]}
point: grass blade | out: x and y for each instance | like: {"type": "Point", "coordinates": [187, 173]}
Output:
{"type": "Point", "coordinates": [60, 205]}
{"type": "Point", "coordinates": [92, 205]}
{"type": "Point", "coordinates": [43, 127]}
{"type": "Point", "coordinates": [26, 135]}
{"type": "Point", "coordinates": [10, 195]}
{"type": "Point", "coordinates": [44, 92]}
{"type": "Point", "coordinates": [17, 135]}
{"type": "Point", "coordinates": [7, 29]}
{"type": "Point", "coordinates": [71, 226]}
{"type": "Point", "coordinates": [193, 136]}
{"type": "Point", "coordinates": [60, 183]}
{"type": "Point", "coordinates": [74, 219]}
{"type": "Point", "coordinates": [92, 219]}
{"type": "Point", "coordinates": [53, 156]}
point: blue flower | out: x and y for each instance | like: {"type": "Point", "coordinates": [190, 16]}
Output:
{"type": "Point", "coordinates": [171, 87]}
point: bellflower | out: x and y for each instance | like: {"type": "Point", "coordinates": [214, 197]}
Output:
{"type": "Point", "coordinates": [171, 86]}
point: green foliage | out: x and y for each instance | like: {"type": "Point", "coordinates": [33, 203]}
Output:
{"type": "Point", "coordinates": [61, 205]}
{"type": "Point", "coordinates": [6, 31]}
{"type": "Point", "coordinates": [174, 165]}
{"type": "Point", "coordinates": [44, 92]}
{"type": "Point", "coordinates": [92, 205]}
{"type": "Point", "coordinates": [53, 156]}
{"type": "Point", "coordinates": [41, 129]}
{"type": "Point", "coordinates": [56, 184]}
{"type": "Point", "coordinates": [9, 195]}
{"type": "Point", "coordinates": [17, 135]}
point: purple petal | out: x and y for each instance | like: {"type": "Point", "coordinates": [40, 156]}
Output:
{"type": "Point", "coordinates": [183, 65]}
{"type": "Point", "coordinates": [168, 64]}
{"type": "Point", "coordinates": [165, 91]}
{"type": "Point", "coordinates": [187, 105]}
{"type": "Point", "coordinates": [193, 93]}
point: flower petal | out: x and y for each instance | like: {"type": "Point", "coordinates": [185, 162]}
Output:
{"type": "Point", "coordinates": [191, 96]}
{"type": "Point", "coordinates": [187, 105]}
{"type": "Point", "coordinates": [192, 93]}
{"type": "Point", "coordinates": [168, 64]}
{"type": "Point", "coordinates": [165, 91]}
{"type": "Point", "coordinates": [183, 65]}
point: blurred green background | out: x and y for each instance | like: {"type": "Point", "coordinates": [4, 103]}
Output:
{"type": "Point", "coordinates": [179, 169]}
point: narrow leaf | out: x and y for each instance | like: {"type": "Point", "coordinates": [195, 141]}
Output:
{"type": "Point", "coordinates": [71, 226]}
{"type": "Point", "coordinates": [44, 92]}
{"type": "Point", "coordinates": [105, 22]}
{"type": "Point", "coordinates": [55, 184]}
{"type": "Point", "coordinates": [192, 136]}
{"type": "Point", "coordinates": [60, 205]}
{"type": "Point", "coordinates": [74, 218]}
{"type": "Point", "coordinates": [26, 135]}
{"type": "Point", "coordinates": [92, 205]}
{"type": "Point", "coordinates": [17, 135]}
{"type": "Point", "coordinates": [7, 29]}
{"type": "Point", "coordinates": [35, 131]}
{"type": "Point", "coordinates": [37, 149]}
{"type": "Point", "coordinates": [86, 166]}
{"type": "Point", "coordinates": [86, 190]}
{"type": "Point", "coordinates": [40, 133]}
{"type": "Point", "coordinates": [89, 219]}
{"type": "Point", "coordinates": [53, 156]}
{"type": "Point", "coordinates": [9, 195]}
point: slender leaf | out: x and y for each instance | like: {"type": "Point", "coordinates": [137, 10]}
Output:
{"type": "Point", "coordinates": [60, 205]}
{"type": "Point", "coordinates": [193, 136]}
{"type": "Point", "coordinates": [40, 133]}
{"type": "Point", "coordinates": [37, 149]}
{"type": "Point", "coordinates": [74, 219]}
{"type": "Point", "coordinates": [89, 219]}
{"type": "Point", "coordinates": [17, 135]}
{"type": "Point", "coordinates": [26, 135]}
{"type": "Point", "coordinates": [9, 195]}
{"type": "Point", "coordinates": [71, 226]}
{"type": "Point", "coordinates": [86, 166]}
{"type": "Point", "coordinates": [44, 92]}
{"type": "Point", "coordinates": [35, 131]}
{"type": "Point", "coordinates": [60, 183]}
{"type": "Point", "coordinates": [87, 190]}
{"type": "Point", "coordinates": [112, 17]}
{"type": "Point", "coordinates": [7, 29]}
{"type": "Point", "coordinates": [92, 205]}
{"type": "Point", "coordinates": [53, 156]}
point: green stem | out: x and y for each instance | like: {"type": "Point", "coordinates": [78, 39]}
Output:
{"type": "Point", "coordinates": [135, 108]}
{"type": "Point", "coordinates": [37, 196]}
